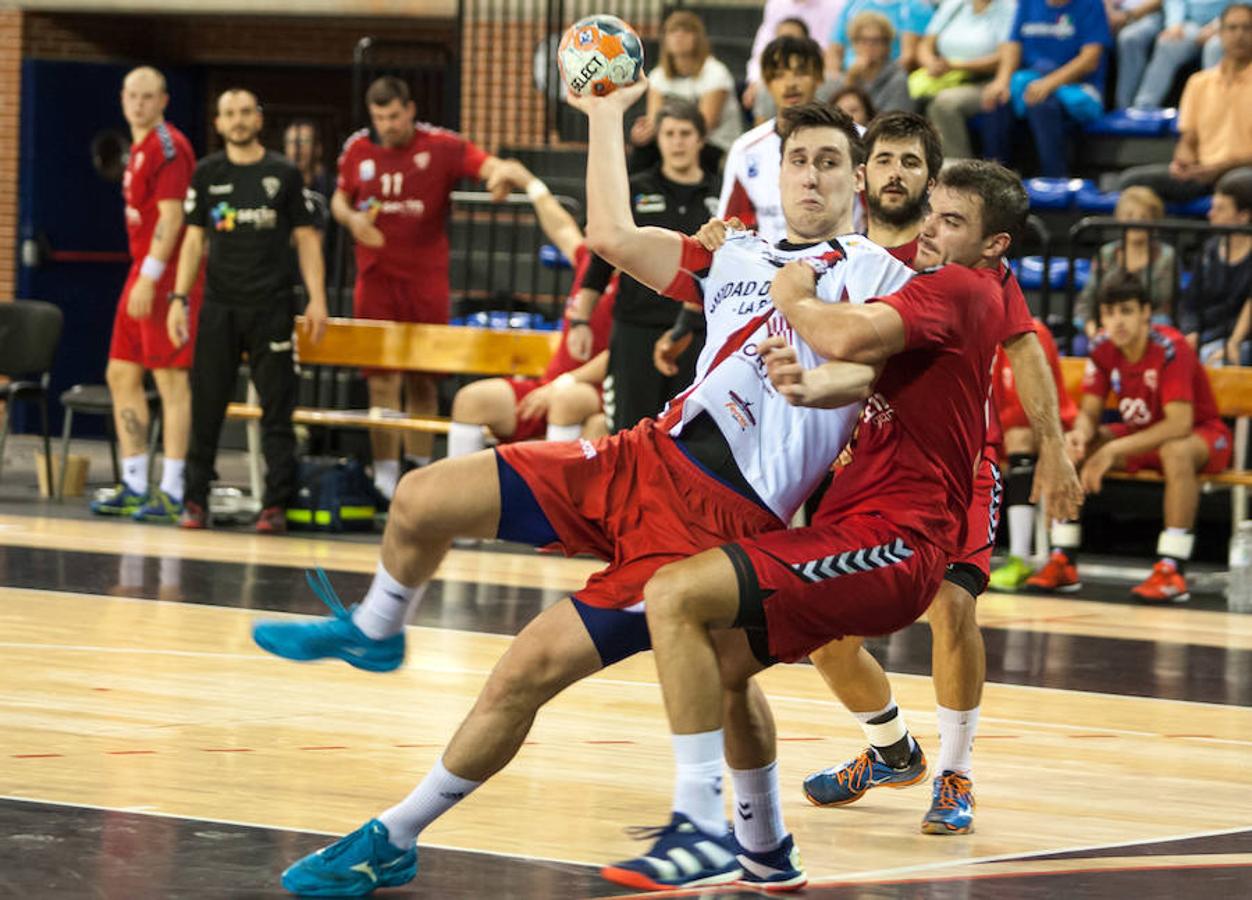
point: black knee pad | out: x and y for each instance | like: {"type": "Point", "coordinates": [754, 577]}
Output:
{"type": "Point", "coordinates": [969, 578]}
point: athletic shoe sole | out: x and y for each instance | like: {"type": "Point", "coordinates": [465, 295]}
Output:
{"type": "Point", "coordinates": [637, 880]}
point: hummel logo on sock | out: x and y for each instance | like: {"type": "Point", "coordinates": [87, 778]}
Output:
{"type": "Point", "coordinates": [717, 785]}
{"type": "Point", "coordinates": [399, 598]}
{"type": "Point", "coordinates": [745, 810]}
{"type": "Point", "coordinates": [452, 795]}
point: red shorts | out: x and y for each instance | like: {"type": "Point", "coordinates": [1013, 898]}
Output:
{"type": "Point", "coordinates": [633, 499]}
{"type": "Point", "coordinates": [378, 295]}
{"type": "Point", "coordinates": [525, 429]}
{"type": "Point", "coordinates": [146, 342]}
{"type": "Point", "coordinates": [1215, 434]}
{"type": "Point", "coordinates": [983, 517]}
{"type": "Point", "coordinates": [1013, 416]}
{"type": "Point", "coordinates": [861, 575]}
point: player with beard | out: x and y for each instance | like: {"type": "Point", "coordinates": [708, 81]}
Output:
{"type": "Point", "coordinates": [903, 158]}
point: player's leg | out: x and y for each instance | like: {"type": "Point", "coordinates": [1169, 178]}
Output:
{"type": "Point", "coordinates": [384, 390]}
{"type": "Point", "coordinates": [596, 426]}
{"type": "Point", "coordinates": [1060, 573]}
{"type": "Point", "coordinates": [571, 405]}
{"type": "Point", "coordinates": [893, 758]}
{"type": "Point", "coordinates": [1019, 447]}
{"type": "Point", "coordinates": [421, 400]}
{"type": "Point", "coordinates": [130, 421]}
{"type": "Point", "coordinates": [489, 402]}
{"type": "Point", "coordinates": [1181, 461]}
{"type": "Point", "coordinates": [165, 503]}
{"type": "Point", "coordinates": [214, 372]}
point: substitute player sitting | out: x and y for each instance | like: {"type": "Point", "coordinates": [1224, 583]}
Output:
{"type": "Point", "coordinates": [1169, 424]}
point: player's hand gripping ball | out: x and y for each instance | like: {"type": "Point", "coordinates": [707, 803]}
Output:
{"type": "Point", "coordinates": [598, 55]}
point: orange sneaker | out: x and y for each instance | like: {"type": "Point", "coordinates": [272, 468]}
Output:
{"type": "Point", "coordinates": [1164, 585]}
{"type": "Point", "coordinates": [1057, 575]}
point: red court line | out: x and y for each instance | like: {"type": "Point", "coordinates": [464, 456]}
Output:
{"type": "Point", "coordinates": [322, 748]}
{"type": "Point", "coordinates": [417, 745]}
{"type": "Point", "coordinates": [225, 749]}
{"type": "Point", "coordinates": [129, 752]}
{"type": "Point", "coordinates": [37, 755]}
{"type": "Point", "coordinates": [1079, 736]}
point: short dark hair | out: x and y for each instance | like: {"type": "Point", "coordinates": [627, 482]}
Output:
{"type": "Point", "coordinates": [217, 104]}
{"type": "Point", "coordinates": [382, 91]}
{"type": "Point", "coordinates": [683, 110]}
{"type": "Point", "coordinates": [794, 20]}
{"type": "Point", "coordinates": [784, 52]}
{"type": "Point", "coordinates": [903, 126]}
{"type": "Point", "coordinates": [1246, 7]}
{"type": "Point", "coordinates": [861, 94]}
{"type": "Point", "coordinates": [1004, 201]}
{"type": "Point", "coordinates": [1237, 185]}
{"type": "Point", "coordinates": [1120, 286]}
{"type": "Point", "coordinates": [820, 115]}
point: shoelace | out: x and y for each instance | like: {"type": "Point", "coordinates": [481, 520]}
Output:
{"type": "Point", "coordinates": [648, 832]}
{"type": "Point", "coordinates": [322, 588]}
{"type": "Point", "coordinates": [847, 775]}
{"type": "Point", "coordinates": [950, 789]}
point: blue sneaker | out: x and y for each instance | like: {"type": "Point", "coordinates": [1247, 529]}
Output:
{"type": "Point", "coordinates": [775, 870]}
{"type": "Point", "coordinates": [336, 637]}
{"type": "Point", "coordinates": [158, 506]}
{"type": "Point", "coordinates": [682, 857]}
{"type": "Point", "coordinates": [121, 501]}
{"type": "Point", "coordinates": [951, 806]}
{"type": "Point", "coordinates": [353, 866]}
{"type": "Point", "coordinates": [841, 785]}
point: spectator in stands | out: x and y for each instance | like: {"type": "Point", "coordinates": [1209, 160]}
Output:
{"type": "Point", "coordinates": [959, 54]}
{"type": "Point", "coordinates": [1216, 130]}
{"type": "Point", "coordinates": [856, 103]}
{"type": "Point", "coordinates": [818, 17]}
{"type": "Point", "coordinates": [1169, 424]}
{"type": "Point", "coordinates": [689, 71]}
{"type": "Point", "coordinates": [908, 19]}
{"type": "Point", "coordinates": [871, 68]}
{"type": "Point", "coordinates": [681, 196]}
{"type": "Point", "coordinates": [1192, 30]}
{"type": "Point", "coordinates": [302, 144]}
{"type": "Point", "coordinates": [393, 196]}
{"type": "Point", "coordinates": [1211, 308]}
{"type": "Point", "coordinates": [1052, 75]}
{"type": "Point", "coordinates": [557, 405]}
{"type": "Point", "coordinates": [1135, 24]}
{"type": "Point", "coordinates": [1139, 253]}
{"type": "Point", "coordinates": [764, 108]}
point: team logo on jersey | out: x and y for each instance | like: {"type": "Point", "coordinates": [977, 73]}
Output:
{"type": "Point", "coordinates": [365, 171]}
{"type": "Point", "coordinates": [1149, 378]}
{"type": "Point", "coordinates": [741, 410]}
{"type": "Point", "coordinates": [877, 411]}
{"type": "Point", "coordinates": [271, 185]}
{"type": "Point", "coordinates": [228, 218]}
{"type": "Point", "coordinates": [754, 168]}
{"type": "Point", "coordinates": [224, 216]}
{"type": "Point", "coordinates": [649, 203]}
{"type": "Point", "coordinates": [422, 159]}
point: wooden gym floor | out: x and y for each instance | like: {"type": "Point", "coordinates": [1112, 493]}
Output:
{"type": "Point", "coordinates": [150, 750]}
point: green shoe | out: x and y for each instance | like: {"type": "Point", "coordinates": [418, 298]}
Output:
{"type": "Point", "coordinates": [120, 501]}
{"type": "Point", "coordinates": [1010, 576]}
{"type": "Point", "coordinates": [158, 506]}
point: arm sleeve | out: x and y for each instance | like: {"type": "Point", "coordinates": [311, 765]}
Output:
{"type": "Point", "coordinates": [598, 274]}
{"type": "Point", "coordinates": [1095, 378]}
{"type": "Point", "coordinates": [943, 15]}
{"type": "Point", "coordinates": [917, 16]}
{"type": "Point", "coordinates": [173, 178]}
{"type": "Point", "coordinates": [1094, 24]}
{"type": "Point", "coordinates": [1017, 317]}
{"type": "Point", "coordinates": [1178, 375]}
{"type": "Point", "coordinates": [1175, 12]}
{"type": "Point", "coordinates": [929, 305]}
{"type": "Point", "coordinates": [693, 268]}
{"type": "Point", "coordinates": [1187, 114]}
{"type": "Point", "coordinates": [1019, 18]}
{"type": "Point", "coordinates": [301, 211]}
{"type": "Point", "coordinates": [195, 206]}
{"type": "Point", "coordinates": [347, 173]}
{"type": "Point", "coordinates": [714, 76]}
{"type": "Point", "coordinates": [472, 158]}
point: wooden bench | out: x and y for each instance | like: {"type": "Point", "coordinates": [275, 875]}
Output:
{"type": "Point", "coordinates": [370, 344]}
{"type": "Point", "coordinates": [1232, 391]}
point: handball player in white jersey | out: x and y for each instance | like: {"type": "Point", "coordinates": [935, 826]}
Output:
{"type": "Point", "coordinates": [730, 459]}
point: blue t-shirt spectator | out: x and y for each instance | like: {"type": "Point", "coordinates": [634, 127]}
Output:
{"type": "Point", "coordinates": [905, 15]}
{"type": "Point", "coordinates": [1052, 35]}
{"type": "Point", "coordinates": [1201, 12]}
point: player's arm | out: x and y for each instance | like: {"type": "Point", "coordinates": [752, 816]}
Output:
{"type": "Point", "coordinates": [867, 333]}
{"type": "Point", "coordinates": [1055, 478]}
{"type": "Point", "coordinates": [358, 221]}
{"type": "Point", "coordinates": [650, 255]}
{"type": "Point", "coordinates": [827, 386]}
{"type": "Point", "coordinates": [169, 226]}
{"type": "Point", "coordinates": [1178, 421]}
{"type": "Point", "coordinates": [189, 259]}
{"type": "Point", "coordinates": [558, 225]}
{"type": "Point", "coordinates": [313, 273]}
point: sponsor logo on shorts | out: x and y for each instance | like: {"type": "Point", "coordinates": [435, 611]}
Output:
{"type": "Point", "coordinates": [588, 448]}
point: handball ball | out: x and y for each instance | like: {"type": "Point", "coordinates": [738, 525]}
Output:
{"type": "Point", "coordinates": [598, 55]}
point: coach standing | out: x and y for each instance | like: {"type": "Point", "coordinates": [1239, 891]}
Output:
{"type": "Point", "coordinates": [248, 205]}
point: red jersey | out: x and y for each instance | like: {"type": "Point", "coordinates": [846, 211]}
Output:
{"type": "Point", "coordinates": [408, 191]}
{"type": "Point", "coordinates": [159, 168]}
{"type": "Point", "coordinates": [924, 428]}
{"type": "Point", "coordinates": [601, 320]}
{"type": "Point", "coordinates": [1168, 372]}
{"type": "Point", "coordinates": [1004, 388]}
{"type": "Point", "coordinates": [906, 253]}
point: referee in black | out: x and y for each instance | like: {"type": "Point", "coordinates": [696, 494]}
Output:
{"type": "Point", "coordinates": [678, 195]}
{"type": "Point", "coordinates": [247, 205]}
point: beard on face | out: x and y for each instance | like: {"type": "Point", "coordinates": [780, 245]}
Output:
{"type": "Point", "coordinates": [910, 210]}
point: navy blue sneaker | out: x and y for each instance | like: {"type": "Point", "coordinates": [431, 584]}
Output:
{"type": "Point", "coordinates": [841, 785]}
{"type": "Point", "coordinates": [120, 501]}
{"type": "Point", "coordinates": [332, 638]}
{"type": "Point", "coordinates": [353, 866]}
{"type": "Point", "coordinates": [951, 806]}
{"type": "Point", "coordinates": [158, 506]}
{"type": "Point", "coordinates": [683, 856]}
{"type": "Point", "coordinates": [775, 871]}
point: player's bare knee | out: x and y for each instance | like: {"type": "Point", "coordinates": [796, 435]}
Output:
{"type": "Point", "coordinates": [172, 384]}
{"type": "Point", "coordinates": [952, 611]}
{"type": "Point", "coordinates": [1178, 458]}
{"type": "Point", "coordinates": [123, 376]}
{"type": "Point", "coordinates": [666, 596]}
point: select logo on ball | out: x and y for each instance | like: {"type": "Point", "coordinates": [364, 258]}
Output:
{"type": "Point", "coordinates": [599, 54]}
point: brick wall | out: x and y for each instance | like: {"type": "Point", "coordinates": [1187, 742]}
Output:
{"type": "Point", "coordinates": [10, 103]}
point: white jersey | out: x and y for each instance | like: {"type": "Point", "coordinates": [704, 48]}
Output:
{"type": "Point", "coordinates": [782, 450]}
{"type": "Point", "coordinates": [750, 182]}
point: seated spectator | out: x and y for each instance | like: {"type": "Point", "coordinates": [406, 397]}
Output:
{"type": "Point", "coordinates": [1213, 139]}
{"type": "Point", "coordinates": [764, 106]}
{"type": "Point", "coordinates": [959, 55]}
{"type": "Point", "coordinates": [871, 68]}
{"type": "Point", "coordinates": [1191, 30]}
{"type": "Point", "coordinates": [1052, 75]}
{"type": "Point", "coordinates": [1137, 253]}
{"type": "Point", "coordinates": [1210, 308]}
{"type": "Point", "coordinates": [303, 146]}
{"type": "Point", "coordinates": [1169, 424]}
{"type": "Point", "coordinates": [856, 103]}
{"type": "Point", "coordinates": [908, 20]}
{"type": "Point", "coordinates": [1135, 24]}
{"type": "Point", "coordinates": [689, 71]}
{"type": "Point", "coordinates": [799, 18]}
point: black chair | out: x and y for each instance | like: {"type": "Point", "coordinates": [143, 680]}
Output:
{"type": "Point", "coordinates": [95, 400]}
{"type": "Point", "coordinates": [30, 331]}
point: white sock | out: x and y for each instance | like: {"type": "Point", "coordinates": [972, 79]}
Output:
{"type": "Point", "coordinates": [464, 439]}
{"type": "Point", "coordinates": [956, 739]}
{"type": "Point", "coordinates": [172, 478]}
{"type": "Point", "coordinates": [758, 808]}
{"type": "Point", "coordinates": [386, 476]}
{"type": "Point", "coordinates": [417, 461]}
{"type": "Point", "coordinates": [387, 605]}
{"type": "Point", "coordinates": [698, 780]}
{"type": "Point", "coordinates": [1021, 530]}
{"type": "Point", "coordinates": [135, 472]}
{"type": "Point", "coordinates": [884, 734]}
{"type": "Point", "coordinates": [563, 432]}
{"type": "Point", "coordinates": [439, 791]}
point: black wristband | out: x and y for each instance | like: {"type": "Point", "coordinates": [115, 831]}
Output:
{"type": "Point", "coordinates": [687, 322]}
{"type": "Point", "coordinates": [174, 295]}
{"type": "Point", "coordinates": [574, 323]}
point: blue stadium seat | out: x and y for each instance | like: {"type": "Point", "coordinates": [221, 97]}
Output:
{"type": "Point", "coordinates": [1090, 199]}
{"type": "Point", "coordinates": [1029, 270]}
{"type": "Point", "coordinates": [1198, 207]}
{"type": "Point", "coordinates": [1082, 273]}
{"type": "Point", "coordinates": [500, 319]}
{"type": "Point", "coordinates": [1052, 193]}
{"type": "Point", "coordinates": [552, 258]}
{"type": "Point", "coordinates": [1144, 123]}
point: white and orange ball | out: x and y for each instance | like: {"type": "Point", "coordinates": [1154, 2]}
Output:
{"type": "Point", "coordinates": [598, 55]}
